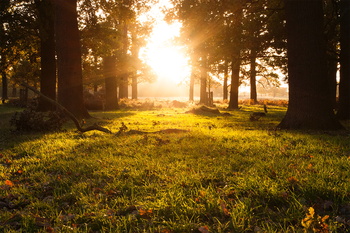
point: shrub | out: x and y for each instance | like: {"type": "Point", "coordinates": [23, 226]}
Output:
{"type": "Point", "coordinates": [30, 120]}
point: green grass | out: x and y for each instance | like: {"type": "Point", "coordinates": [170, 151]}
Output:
{"type": "Point", "coordinates": [226, 174]}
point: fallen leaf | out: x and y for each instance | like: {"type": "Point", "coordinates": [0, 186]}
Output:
{"type": "Point", "coordinates": [204, 229]}
{"type": "Point", "coordinates": [8, 183]}
{"type": "Point", "coordinates": [223, 208]}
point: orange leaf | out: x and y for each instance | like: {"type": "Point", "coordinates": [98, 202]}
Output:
{"type": "Point", "coordinates": [204, 229]}
{"type": "Point", "coordinates": [223, 207]}
{"type": "Point", "coordinates": [8, 183]}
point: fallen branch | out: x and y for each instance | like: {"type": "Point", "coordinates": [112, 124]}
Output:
{"type": "Point", "coordinates": [65, 111]}
{"type": "Point", "coordinates": [165, 131]}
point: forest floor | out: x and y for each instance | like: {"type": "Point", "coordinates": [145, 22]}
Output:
{"type": "Point", "coordinates": [222, 173]}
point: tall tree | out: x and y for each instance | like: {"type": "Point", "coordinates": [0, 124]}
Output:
{"type": "Point", "coordinates": [47, 50]}
{"type": "Point", "coordinates": [309, 97]}
{"type": "Point", "coordinates": [70, 80]}
{"type": "Point", "coordinates": [110, 74]}
{"type": "Point", "coordinates": [344, 85]}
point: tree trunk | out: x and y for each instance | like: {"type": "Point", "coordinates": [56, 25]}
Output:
{"type": "Point", "coordinates": [236, 60]}
{"type": "Point", "coordinates": [95, 88]}
{"type": "Point", "coordinates": [70, 78]}
{"type": "Point", "coordinates": [48, 57]}
{"type": "Point", "coordinates": [135, 50]}
{"type": "Point", "coordinates": [203, 90]}
{"type": "Point", "coordinates": [109, 72]}
{"type": "Point", "coordinates": [253, 95]}
{"type": "Point", "coordinates": [225, 79]}
{"type": "Point", "coordinates": [309, 96]}
{"type": "Point", "coordinates": [332, 79]}
{"type": "Point", "coordinates": [134, 86]}
{"type": "Point", "coordinates": [344, 85]}
{"type": "Point", "coordinates": [4, 85]}
{"type": "Point", "coordinates": [236, 64]}
{"type": "Point", "coordinates": [123, 84]}
{"type": "Point", "coordinates": [192, 86]}
{"type": "Point", "coordinates": [14, 92]}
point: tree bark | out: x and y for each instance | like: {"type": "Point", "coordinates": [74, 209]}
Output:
{"type": "Point", "coordinates": [332, 79]}
{"type": "Point", "coordinates": [253, 95]}
{"type": "Point", "coordinates": [225, 79]}
{"type": "Point", "coordinates": [4, 85]}
{"type": "Point", "coordinates": [344, 85]}
{"type": "Point", "coordinates": [192, 86]}
{"type": "Point", "coordinates": [123, 84]}
{"type": "Point", "coordinates": [109, 72]}
{"type": "Point", "coordinates": [70, 78]}
{"type": "Point", "coordinates": [134, 86]}
{"type": "Point", "coordinates": [309, 96]}
{"type": "Point", "coordinates": [14, 91]}
{"type": "Point", "coordinates": [236, 64]}
{"type": "Point", "coordinates": [203, 90]}
{"type": "Point", "coordinates": [48, 57]}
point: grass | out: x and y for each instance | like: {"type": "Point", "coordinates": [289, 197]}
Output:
{"type": "Point", "coordinates": [226, 174]}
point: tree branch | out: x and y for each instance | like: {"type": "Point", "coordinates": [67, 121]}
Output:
{"type": "Point", "coordinates": [69, 114]}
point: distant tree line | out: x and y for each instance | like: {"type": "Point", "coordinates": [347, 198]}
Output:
{"type": "Point", "coordinates": [97, 42]}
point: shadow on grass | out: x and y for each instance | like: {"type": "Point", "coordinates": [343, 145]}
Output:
{"type": "Point", "coordinates": [10, 138]}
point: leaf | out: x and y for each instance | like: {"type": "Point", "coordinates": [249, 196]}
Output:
{"type": "Point", "coordinates": [8, 183]}
{"type": "Point", "coordinates": [223, 207]}
{"type": "Point", "coordinates": [204, 229]}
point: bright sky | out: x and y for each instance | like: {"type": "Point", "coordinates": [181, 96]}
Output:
{"type": "Point", "coordinates": [160, 53]}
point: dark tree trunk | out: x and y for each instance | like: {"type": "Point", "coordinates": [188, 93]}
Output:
{"type": "Point", "coordinates": [253, 95]}
{"type": "Point", "coordinates": [95, 88]}
{"type": "Point", "coordinates": [235, 60]}
{"type": "Point", "coordinates": [123, 84]}
{"type": "Point", "coordinates": [344, 85]}
{"type": "Point", "coordinates": [134, 86]}
{"type": "Point", "coordinates": [225, 79]}
{"type": "Point", "coordinates": [47, 49]}
{"type": "Point", "coordinates": [236, 64]}
{"type": "Point", "coordinates": [309, 96]}
{"type": "Point", "coordinates": [203, 90]}
{"type": "Point", "coordinates": [70, 78]}
{"type": "Point", "coordinates": [192, 86]}
{"type": "Point", "coordinates": [14, 92]}
{"type": "Point", "coordinates": [332, 78]}
{"type": "Point", "coordinates": [109, 72]}
{"type": "Point", "coordinates": [4, 85]}
{"type": "Point", "coordinates": [135, 53]}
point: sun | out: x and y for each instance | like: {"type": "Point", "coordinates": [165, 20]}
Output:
{"type": "Point", "coordinates": [169, 63]}
{"type": "Point", "coordinates": [163, 56]}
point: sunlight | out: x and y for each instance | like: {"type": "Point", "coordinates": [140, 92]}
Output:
{"type": "Point", "coordinates": [166, 59]}
{"type": "Point", "coordinates": [169, 63]}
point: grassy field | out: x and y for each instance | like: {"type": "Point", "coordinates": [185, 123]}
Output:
{"type": "Point", "coordinates": [223, 174]}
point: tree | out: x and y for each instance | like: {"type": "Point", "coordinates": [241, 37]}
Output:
{"type": "Point", "coordinates": [344, 85]}
{"type": "Point", "coordinates": [309, 97]}
{"type": "Point", "coordinates": [70, 80]}
{"type": "Point", "coordinates": [45, 13]}
{"type": "Point", "coordinates": [110, 74]}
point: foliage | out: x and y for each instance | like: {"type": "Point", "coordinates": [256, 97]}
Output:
{"type": "Point", "coordinates": [315, 223]}
{"type": "Point", "coordinates": [30, 120]}
{"type": "Point", "coordinates": [225, 174]}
